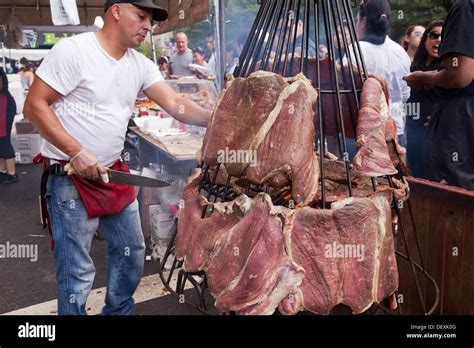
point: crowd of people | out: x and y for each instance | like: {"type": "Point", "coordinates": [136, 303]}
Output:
{"type": "Point", "coordinates": [431, 81]}
{"type": "Point", "coordinates": [430, 97]}
{"type": "Point", "coordinates": [422, 98]}
{"type": "Point", "coordinates": [198, 62]}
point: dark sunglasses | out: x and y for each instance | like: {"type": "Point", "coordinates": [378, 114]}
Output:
{"type": "Point", "coordinates": [434, 35]}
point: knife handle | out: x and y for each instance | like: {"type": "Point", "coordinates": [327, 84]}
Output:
{"type": "Point", "coordinates": [71, 171]}
{"type": "Point", "coordinates": [105, 178]}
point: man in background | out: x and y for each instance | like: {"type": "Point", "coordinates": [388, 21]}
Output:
{"type": "Point", "coordinates": [179, 62]}
{"type": "Point", "coordinates": [211, 46]}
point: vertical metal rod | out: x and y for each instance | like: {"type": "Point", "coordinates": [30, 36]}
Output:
{"type": "Point", "coordinates": [219, 8]}
{"type": "Point", "coordinates": [305, 40]}
{"type": "Point", "coordinates": [263, 35]}
{"type": "Point", "coordinates": [399, 215]}
{"type": "Point", "coordinates": [358, 54]}
{"type": "Point", "coordinates": [295, 35]}
{"type": "Point", "coordinates": [330, 92]}
{"type": "Point", "coordinates": [374, 185]}
{"type": "Point", "coordinates": [351, 67]}
{"type": "Point", "coordinates": [244, 56]}
{"type": "Point", "coordinates": [227, 184]}
{"type": "Point", "coordinates": [322, 121]}
{"type": "Point", "coordinates": [250, 55]}
{"type": "Point", "coordinates": [267, 52]}
{"type": "Point", "coordinates": [205, 172]}
{"type": "Point", "coordinates": [284, 37]}
{"type": "Point", "coordinates": [339, 114]}
{"type": "Point", "coordinates": [293, 27]}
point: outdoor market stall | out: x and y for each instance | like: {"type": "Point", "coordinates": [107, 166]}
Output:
{"type": "Point", "coordinates": [167, 149]}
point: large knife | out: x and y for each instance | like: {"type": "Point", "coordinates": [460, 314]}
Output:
{"type": "Point", "coordinates": [123, 178]}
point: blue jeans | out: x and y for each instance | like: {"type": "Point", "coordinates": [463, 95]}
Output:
{"type": "Point", "coordinates": [73, 233]}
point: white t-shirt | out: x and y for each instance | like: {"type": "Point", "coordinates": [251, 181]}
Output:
{"type": "Point", "coordinates": [390, 61]}
{"type": "Point", "coordinates": [212, 64]}
{"type": "Point", "coordinates": [97, 93]}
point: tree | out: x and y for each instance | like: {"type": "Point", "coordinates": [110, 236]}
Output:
{"type": "Point", "coordinates": [409, 12]}
{"type": "Point", "coordinates": [146, 49]}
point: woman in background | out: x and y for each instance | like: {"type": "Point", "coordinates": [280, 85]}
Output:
{"type": "Point", "coordinates": [411, 39]}
{"type": "Point", "coordinates": [449, 148]}
{"type": "Point", "coordinates": [163, 63]}
{"type": "Point", "coordinates": [7, 114]}
{"type": "Point", "coordinates": [384, 57]}
{"type": "Point", "coordinates": [199, 58]}
{"type": "Point", "coordinates": [422, 100]}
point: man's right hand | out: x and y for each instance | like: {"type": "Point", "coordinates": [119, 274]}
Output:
{"type": "Point", "coordinates": [86, 164]}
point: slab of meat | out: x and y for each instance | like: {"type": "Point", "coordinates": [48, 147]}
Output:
{"type": "Point", "coordinates": [258, 256]}
{"type": "Point", "coordinates": [386, 266]}
{"type": "Point", "coordinates": [266, 123]}
{"type": "Point", "coordinates": [347, 253]}
{"type": "Point", "coordinates": [337, 187]}
{"type": "Point", "coordinates": [335, 170]}
{"type": "Point", "coordinates": [375, 127]}
{"type": "Point", "coordinates": [286, 155]}
{"type": "Point", "coordinates": [197, 236]}
{"type": "Point", "coordinates": [241, 112]}
{"type": "Point", "coordinates": [250, 270]}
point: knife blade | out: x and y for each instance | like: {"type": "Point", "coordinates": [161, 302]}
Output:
{"type": "Point", "coordinates": [124, 178]}
{"type": "Point", "coordinates": [134, 180]}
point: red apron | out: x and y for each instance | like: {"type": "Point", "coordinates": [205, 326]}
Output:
{"type": "Point", "coordinates": [101, 199]}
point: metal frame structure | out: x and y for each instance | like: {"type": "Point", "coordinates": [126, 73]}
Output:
{"type": "Point", "coordinates": [286, 38]}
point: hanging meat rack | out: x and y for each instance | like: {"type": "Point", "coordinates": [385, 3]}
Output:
{"type": "Point", "coordinates": [289, 37]}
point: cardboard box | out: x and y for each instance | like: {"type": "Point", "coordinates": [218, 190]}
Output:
{"type": "Point", "coordinates": [24, 127]}
{"type": "Point", "coordinates": [26, 147]}
{"type": "Point", "coordinates": [161, 223]}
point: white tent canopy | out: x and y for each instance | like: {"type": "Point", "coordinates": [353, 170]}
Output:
{"type": "Point", "coordinates": [38, 12]}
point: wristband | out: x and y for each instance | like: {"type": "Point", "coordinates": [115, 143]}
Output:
{"type": "Point", "coordinates": [78, 154]}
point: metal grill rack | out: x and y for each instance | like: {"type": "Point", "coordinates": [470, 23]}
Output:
{"type": "Point", "coordinates": [289, 37]}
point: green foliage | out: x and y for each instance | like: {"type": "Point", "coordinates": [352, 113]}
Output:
{"type": "Point", "coordinates": [241, 14]}
{"type": "Point", "coordinates": [146, 50]}
{"type": "Point", "coordinates": [197, 34]}
{"type": "Point", "coordinates": [410, 12]}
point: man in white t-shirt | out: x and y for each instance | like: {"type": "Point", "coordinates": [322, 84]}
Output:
{"type": "Point", "coordinates": [210, 43]}
{"type": "Point", "coordinates": [81, 104]}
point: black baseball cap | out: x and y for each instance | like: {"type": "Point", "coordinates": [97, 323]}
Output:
{"type": "Point", "coordinates": [159, 14]}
